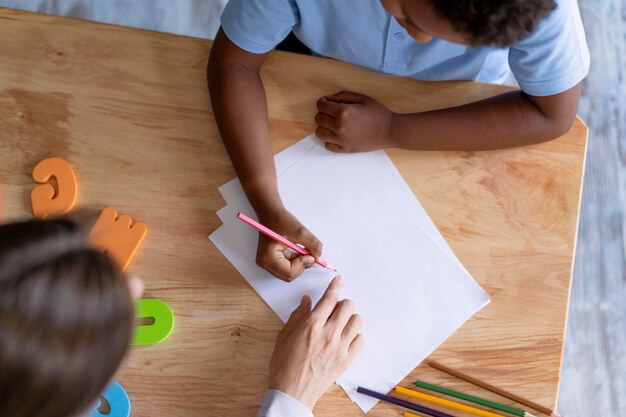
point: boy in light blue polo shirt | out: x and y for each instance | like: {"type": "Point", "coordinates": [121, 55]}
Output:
{"type": "Point", "coordinates": [541, 42]}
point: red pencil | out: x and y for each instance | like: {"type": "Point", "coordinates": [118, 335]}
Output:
{"type": "Point", "coordinates": [280, 239]}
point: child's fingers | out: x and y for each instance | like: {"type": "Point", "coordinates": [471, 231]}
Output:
{"type": "Point", "coordinates": [308, 260]}
{"type": "Point", "coordinates": [325, 134]}
{"type": "Point", "coordinates": [289, 267]}
{"type": "Point", "coordinates": [311, 243]}
{"type": "Point", "coordinates": [270, 256]}
{"type": "Point", "coordinates": [331, 140]}
{"type": "Point", "coordinates": [347, 97]}
{"type": "Point", "coordinates": [333, 147]}
{"type": "Point", "coordinates": [285, 269]}
{"type": "Point", "coordinates": [280, 268]}
{"type": "Point", "coordinates": [298, 265]}
{"type": "Point", "coordinates": [330, 108]}
{"type": "Point", "coordinates": [326, 121]}
{"type": "Point", "coordinates": [284, 263]}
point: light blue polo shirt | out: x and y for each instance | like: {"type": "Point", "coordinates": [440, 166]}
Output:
{"type": "Point", "coordinates": [551, 60]}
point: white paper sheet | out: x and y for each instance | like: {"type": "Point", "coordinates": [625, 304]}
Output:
{"type": "Point", "coordinates": [380, 167]}
{"type": "Point", "coordinates": [409, 288]}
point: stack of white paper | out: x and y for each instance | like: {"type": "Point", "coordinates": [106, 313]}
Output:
{"type": "Point", "coordinates": [407, 284]}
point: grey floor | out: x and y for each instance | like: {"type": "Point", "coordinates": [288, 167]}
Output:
{"type": "Point", "coordinates": [594, 368]}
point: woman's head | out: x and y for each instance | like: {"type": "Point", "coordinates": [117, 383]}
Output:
{"type": "Point", "coordinates": [66, 319]}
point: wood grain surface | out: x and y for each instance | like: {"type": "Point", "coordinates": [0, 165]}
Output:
{"type": "Point", "coordinates": [130, 110]}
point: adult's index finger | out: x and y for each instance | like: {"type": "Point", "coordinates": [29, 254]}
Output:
{"type": "Point", "coordinates": [327, 303]}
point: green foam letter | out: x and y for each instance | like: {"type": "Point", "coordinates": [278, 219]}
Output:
{"type": "Point", "coordinates": [158, 331]}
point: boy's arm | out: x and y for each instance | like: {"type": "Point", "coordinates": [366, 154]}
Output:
{"type": "Point", "coordinates": [351, 122]}
{"type": "Point", "coordinates": [240, 110]}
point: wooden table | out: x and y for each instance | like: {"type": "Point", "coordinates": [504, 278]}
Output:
{"type": "Point", "coordinates": [130, 110]}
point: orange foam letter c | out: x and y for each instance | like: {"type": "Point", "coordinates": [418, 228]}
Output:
{"type": "Point", "coordinates": [42, 198]}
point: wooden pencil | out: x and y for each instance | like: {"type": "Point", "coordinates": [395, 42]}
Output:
{"type": "Point", "coordinates": [402, 403]}
{"type": "Point", "coordinates": [446, 403]}
{"type": "Point", "coordinates": [471, 398]}
{"type": "Point", "coordinates": [493, 389]}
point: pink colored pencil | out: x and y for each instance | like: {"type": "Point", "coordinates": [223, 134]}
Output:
{"type": "Point", "coordinates": [280, 239]}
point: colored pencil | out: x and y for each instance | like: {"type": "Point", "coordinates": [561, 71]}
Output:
{"type": "Point", "coordinates": [401, 403]}
{"type": "Point", "coordinates": [280, 239]}
{"type": "Point", "coordinates": [493, 389]}
{"type": "Point", "coordinates": [477, 400]}
{"type": "Point", "coordinates": [446, 403]}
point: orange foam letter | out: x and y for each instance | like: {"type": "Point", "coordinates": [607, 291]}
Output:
{"type": "Point", "coordinates": [42, 198]}
{"type": "Point", "coordinates": [117, 236]}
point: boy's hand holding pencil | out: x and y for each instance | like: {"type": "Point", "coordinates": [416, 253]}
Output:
{"type": "Point", "coordinates": [277, 257]}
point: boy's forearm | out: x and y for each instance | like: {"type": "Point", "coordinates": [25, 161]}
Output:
{"type": "Point", "coordinates": [240, 110]}
{"type": "Point", "coordinates": [504, 121]}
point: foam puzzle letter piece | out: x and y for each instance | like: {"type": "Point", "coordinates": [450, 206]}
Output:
{"type": "Point", "coordinates": [117, 236]}
{"type": "Point", "coordinates": [157, 332]}
{"type": "Point", "coordinates": [118, 401]}
{"type": "Point", "coordinates": [42, 198]}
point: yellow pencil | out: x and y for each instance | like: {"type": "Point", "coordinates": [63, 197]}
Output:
{"type": "Point", "coordinates": [441, 401]}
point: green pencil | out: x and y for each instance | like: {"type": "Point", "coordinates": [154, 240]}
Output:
{"type": "Point", "coordinates": [471, 398]}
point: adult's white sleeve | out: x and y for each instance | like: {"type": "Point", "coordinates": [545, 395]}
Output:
{"type": "Point", "coordinates": [278, 404]}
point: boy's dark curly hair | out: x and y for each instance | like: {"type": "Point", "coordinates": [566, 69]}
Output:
{"type": "Point", "coordinates": [493, 22]}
